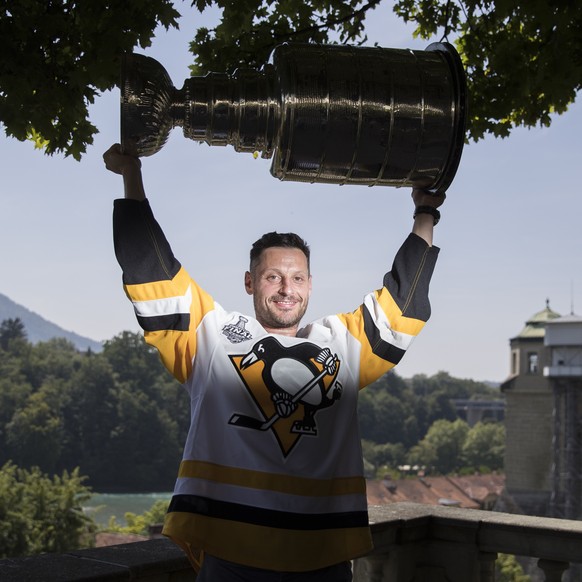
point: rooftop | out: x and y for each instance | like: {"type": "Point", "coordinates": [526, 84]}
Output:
{"type": "Point", "coordinates": [535, 325]}
{"type": "Point", "coordinates": [471, 491]}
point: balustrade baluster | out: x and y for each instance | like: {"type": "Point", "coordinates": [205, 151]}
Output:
{"type": "Point", "coordinates": [487, 566]}
{"type": "Point", "coordinates": [553, 570]}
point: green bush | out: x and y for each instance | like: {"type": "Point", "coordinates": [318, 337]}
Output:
{"type": "Point", "coordinates": [509, 570]}
{"type": "Point", "coordinates": [40, 513]}
{"type": "Point", "coordinates": [139, 524]}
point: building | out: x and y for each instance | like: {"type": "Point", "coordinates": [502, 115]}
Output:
{"type": "Point", "coordinates": [529, 423]}
{"type": "Point", "coordinates": [543, 416]}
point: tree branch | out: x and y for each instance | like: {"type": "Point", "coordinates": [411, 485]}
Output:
{"type": "Point", "coordinates": [356, 14]}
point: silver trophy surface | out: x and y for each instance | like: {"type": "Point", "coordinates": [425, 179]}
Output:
{"type": "Point", "coordinates": [325, 113]}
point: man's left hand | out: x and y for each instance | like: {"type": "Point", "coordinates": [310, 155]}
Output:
{"type": "Point", "coordinates": [425, 198]}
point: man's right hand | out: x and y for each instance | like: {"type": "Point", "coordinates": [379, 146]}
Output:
{"type": "Point", "coordinates": [118, 162]}
{"type": "Point", "coordinates": [127, 166]}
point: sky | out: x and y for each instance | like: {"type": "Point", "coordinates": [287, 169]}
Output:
{"type": "Point", "coordinates": [509, 235]}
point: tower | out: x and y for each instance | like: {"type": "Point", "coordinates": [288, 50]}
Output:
{"type": "Point", "coordinates": [529, 417]}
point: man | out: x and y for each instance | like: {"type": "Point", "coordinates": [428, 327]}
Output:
{"type": "Point", "coordinates": [271, 484]}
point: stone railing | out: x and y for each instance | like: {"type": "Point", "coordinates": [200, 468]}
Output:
{"type": "Point", "coordinates": [426, 543]}
{"type": "Point", "coordinates": [414, 543]}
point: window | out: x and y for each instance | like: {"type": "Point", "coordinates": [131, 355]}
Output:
{"type": "Point", "coordinates": [532, 363]}
{"type": "Point", "coordinates": [514, 362]}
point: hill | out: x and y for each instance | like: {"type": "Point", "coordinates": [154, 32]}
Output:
{"type": "Point", "coordinates": [39, 329]}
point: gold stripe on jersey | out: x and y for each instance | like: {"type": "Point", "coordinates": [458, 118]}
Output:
{"type": "Point", "coordinates": [170, 344]}
{"type": "Point", "coordinates": [398, 321]}
{"type": "Point", "coordinates": [271, 548]}
{"type": "Point", "coordinates": [160, 289]}
{"type": "Point", "coordinates": [272, 482]}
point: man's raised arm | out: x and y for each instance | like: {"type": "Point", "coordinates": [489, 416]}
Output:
{"type": "Point", "coordinates": [128, 167]}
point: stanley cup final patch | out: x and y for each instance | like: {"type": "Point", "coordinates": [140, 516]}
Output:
{"type": "Point", "coordinates": [288, 385]}
{"type": "Point", "coordinates": [237, 332]}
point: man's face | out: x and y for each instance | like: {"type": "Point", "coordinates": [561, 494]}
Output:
{"type": "Point", "coordinates": [280, 284]}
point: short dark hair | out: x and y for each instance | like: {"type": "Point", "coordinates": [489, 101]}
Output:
{"type": "Point", "coordinates": [278, 239]}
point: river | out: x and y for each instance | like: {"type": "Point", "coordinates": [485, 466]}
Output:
{"type": "Point", "coordinates": [104, 505]}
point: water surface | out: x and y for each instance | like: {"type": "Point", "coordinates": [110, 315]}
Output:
{"type": "Point", "coordinates": [104, 505]}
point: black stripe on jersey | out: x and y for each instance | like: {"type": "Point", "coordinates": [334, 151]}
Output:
{"type": "Point", "coordinates": [141, 247]}
{"type": "Point", "coordinates": [408, 281]}
{"type": "Point", "coordinates": [176, 321]}
{"type": "Point", "coordinates": [380, 347]}
{"type": "Point", "coordinates": [266, 517]}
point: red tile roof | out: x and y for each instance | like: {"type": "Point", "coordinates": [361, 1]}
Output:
{"type": "Point", "coordinates": [472, 491]}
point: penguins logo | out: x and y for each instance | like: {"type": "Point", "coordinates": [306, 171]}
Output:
{"type": "Point", "coordinates": [288, 385]}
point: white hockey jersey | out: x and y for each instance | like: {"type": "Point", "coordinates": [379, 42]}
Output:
{"type": "Point", "coordinates": [272, 473]}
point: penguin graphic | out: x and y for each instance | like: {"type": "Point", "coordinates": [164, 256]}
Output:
{"type": "Point", "coordinates": [293, 378]}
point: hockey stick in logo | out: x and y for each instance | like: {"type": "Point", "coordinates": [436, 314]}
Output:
{"type": "Point", "coordinates": [258, 424]}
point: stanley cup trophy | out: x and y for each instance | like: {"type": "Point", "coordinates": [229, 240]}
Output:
{"type": "Point", "coordinates": [325, 113]}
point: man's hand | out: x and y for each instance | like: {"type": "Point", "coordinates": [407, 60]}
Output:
{"type": "Point", "coordinates": [424, 198]}
{"type": "Point", "coordinates": [119, 163]}
{"type": "Point", "coordinates": [127, 166]}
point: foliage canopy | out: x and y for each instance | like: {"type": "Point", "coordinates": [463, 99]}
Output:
{"type": "Point", "coordinates": [121, 418]}
{"type": "Point", "coordinates": [523, 59]}
{"type": "Point", "coordinates": [40, 513]}
{"type": "Point", "coordinates": [57, 55]}
{"type": "Point", "coordinates": [117, 414]}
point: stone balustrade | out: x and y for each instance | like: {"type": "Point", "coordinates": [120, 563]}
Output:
{"type": "Point", "coordinates": [426, 543]}
{"type": "Point", "coordinates": [413, 543]}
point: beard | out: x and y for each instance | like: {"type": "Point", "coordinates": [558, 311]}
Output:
{"type": "Point", "coordinates": [269, 316]}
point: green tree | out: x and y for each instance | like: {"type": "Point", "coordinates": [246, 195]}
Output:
{"type": "Point", "coordinates": [56, 358]}
{"type": "Point", "coordinates": [33, 430]}
{"type": "Point", "coordinates": [89, 412]}
{"type": "Point", "coordinates": [484, 446]}
{"type": "Point", "coordinates": [144, 453]}
{"type": "Point", "coordinates": [118, 414]}
{"type": "Point", "coordinates": [134, 362]}
{"type": "Point", "coordinates": [443, 382]}
{"type": "Point", "coordinates": [35, 433]}
{"type": "Point", "coordinates": [441, 448]}
{"type": "Point", "coordinates": [14, 392]}
{"type": "Point", "coordinates": [39, 513]}
{"type": "Point", "coordinates": [384, 409]}
{"type": "Point", "coordinates": [523, 59]}
{"type": "Point", "coordinates": [382, 417]}
{"type": "Point", "coordinates": [12, 335]}
{"type": "Point", "coordinates": [386, 455]}
{"type": "Point", "coordinates": [57, 55]}
{"type": "Point", "coordinates": [137, 367]}
{"type": "Point", "coordinates": [152, 416]}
